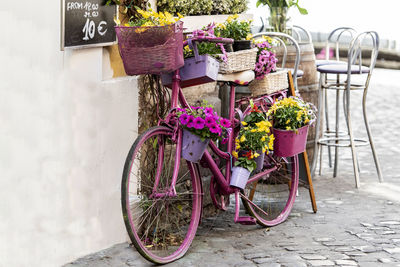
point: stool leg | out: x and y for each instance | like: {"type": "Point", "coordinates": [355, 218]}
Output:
{"type": "Point", "coordinates": [321, 93]}
{"type": "Point", "coordinates": [352, 143]}
{"type": "Point", "coordinates": [327, 122]}
{"type": "Point", "coordinates": [320, 160]}
{"type": "Point", "coordinates": [378, 168]}
{"type": "Point", "coordinates": [337, 133]}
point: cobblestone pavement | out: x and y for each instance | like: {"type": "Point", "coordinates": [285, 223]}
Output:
{"type": "Point", "coordinates": [351, 228]}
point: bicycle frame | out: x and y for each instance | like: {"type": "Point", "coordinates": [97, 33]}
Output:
{"type": "Point", "coordinates": [221, 179]}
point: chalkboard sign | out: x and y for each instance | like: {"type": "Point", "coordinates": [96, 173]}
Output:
{"type": "Point", "coordinates": [87, 23]}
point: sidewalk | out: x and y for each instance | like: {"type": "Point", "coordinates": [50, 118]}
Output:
{"type": "Point", "coordinates": [352, 227]}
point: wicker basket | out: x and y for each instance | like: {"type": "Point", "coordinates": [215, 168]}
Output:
{"type": "Point", "coordinates": [151, 50]}
{"type": "Point", "coordinates": [239, 61]}
{"type": "Point", "coordinates": [271, 83]}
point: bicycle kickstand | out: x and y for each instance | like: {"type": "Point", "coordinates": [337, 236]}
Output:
{"type": "Point", "coordinates": [245, 220]}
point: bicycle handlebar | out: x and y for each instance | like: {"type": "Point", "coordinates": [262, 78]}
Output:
{"type": "Point", "coordinates": [210, 39]}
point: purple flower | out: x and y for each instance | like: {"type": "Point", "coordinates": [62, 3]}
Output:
{"type": "Point", "coordinates": [183, 119]}
{"type": "Point", "coordinates": [224, 141]}
{"type": "Point", "coordinates": [263, 59]}
{"type": "Point", "coordinates": [198, 123]}
{"type": "Point", "coordinates": [265, 53]}
{"type": "Point", "coordinates": [225, 123]}
{"type": "Point", "coordinates": [190, 122]}
{"type": "Point", "coordinates": [214, 128]}
{"type": "Point", "coordinates": [258, 67]}
{"type": "Point", "coordinates": [209, 120]}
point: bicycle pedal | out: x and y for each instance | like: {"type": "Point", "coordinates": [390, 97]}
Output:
{"type": "Point", "coordinates": [246, 220]}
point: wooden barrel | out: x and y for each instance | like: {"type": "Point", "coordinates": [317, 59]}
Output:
{"type": "Point", "coordinates": [308, 84]}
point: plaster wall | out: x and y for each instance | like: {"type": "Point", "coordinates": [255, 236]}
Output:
{"type": "Point", "coordinates": [65, 128]}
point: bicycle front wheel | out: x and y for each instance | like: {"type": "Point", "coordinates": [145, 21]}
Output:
{"type": "Point", "coordinates": [160, 226]}
{"type": "Point", "coordinates": [272, 197]}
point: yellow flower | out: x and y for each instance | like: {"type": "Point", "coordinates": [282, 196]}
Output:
{"type": "Point", "coordinates": [306, 120]}
{"type": "Point", "coordinates": [287, 128]}
{"type": "Point", "coordinates": [256, 155]}
{"type": "Point", "coordinates": [179, 15]}
{"type": "Point", "coordinates": [253, 130]}
{"type": "Point", "coordinates": [237, 146]}
{"type": "Point", "coordinates": [235, 16]}
{"type": "Point", "coordinates": [288, 121]}
{"type": "Point", "coordinates": [235, 154]}
{"type": "Point", "coordinates": [263, 138]}
{"type": "Point", "coordinates": [242, 139]}
{"type": "Point", "coordinates": [244, 123]}
{"type": "Point", "coordinates": [249, 36]}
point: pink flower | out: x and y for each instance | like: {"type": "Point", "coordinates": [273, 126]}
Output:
{"type": "Point", "coordinates": [225, 123]}
{"type": "Point", "coordinates": [224, 141]}
{"type": "Point", "coordinates": [263, 59]}
{"type": "Point", "coordinates": [258, 67]}
{"type": "Point", "coordinates": [198, 123]}
{"type": "Point", "coordinates": [209, 111]}
{"type": "Point", "coordinates": [190, 123]}
{"type": "Point", "coordinates": [214, 128]}
{"type": "Point", "coordinates": [183, 119]}
{"type": "Point", "coordinates": [209, 120]}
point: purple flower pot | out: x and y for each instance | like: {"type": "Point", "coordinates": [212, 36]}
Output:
{"type": "Point", "coordinates": [202, 69]}
{"type": "Point", "coordinates": [290, 143]}
{"type": "Point", "coordinates": [239, 177]}
{"type": "Point", "coordinates": [192, 146]}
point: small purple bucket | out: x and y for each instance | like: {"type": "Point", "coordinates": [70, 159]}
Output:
{"type": "Point", "coordinates": [202, 69]}
{"type": "Point", "coordinates": [290, 143]}
{"type": "Point", "coordinates": [192, 146]}
{"type": "Point", "coordinates": [239, 177]}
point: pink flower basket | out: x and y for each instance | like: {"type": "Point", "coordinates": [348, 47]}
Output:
{"type": "Point", "coordinates": [151, 50]}
{"type": "Point", "coordinates": [290, 143]}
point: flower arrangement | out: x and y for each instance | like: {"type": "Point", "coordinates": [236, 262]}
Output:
{"type": "Point", "coordinates": [235, 29]}
{"type": "Point", "coordinates": [291, 113]}
{"type": "Point", "coordinates": [152, 18]}
{"type": "Point", "coordinates": [254, 138]}
{"type": "Point", "coordinates": [266, 58]}
{"type": "Point", "coordinates": [204, 122]}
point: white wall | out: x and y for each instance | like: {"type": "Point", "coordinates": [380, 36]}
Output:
{"type": "Point", "coordinates": [65, 130]}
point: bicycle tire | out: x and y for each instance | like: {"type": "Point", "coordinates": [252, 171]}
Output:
{"type": "Point", "coordinates": [160, 228]}
{"type": "Point", "coordinates": [274, 194]}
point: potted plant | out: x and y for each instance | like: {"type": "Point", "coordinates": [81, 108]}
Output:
{"type": "Point", "coordinates": [239, 30]}
{"type": "Point", "coordinates": [291, 119]}
{"type": "Point", "coordinates": [202, 61]}
{"type": "Point", "coordinates": [253, 141]}
{"type": "Point", "coordinates": [268, 79]}
{"type": "Point", "coordinates": [278, 17]}
{"type": "Point", "coordinates": [200, 125]}
{"type": "Point", "coordinates": [151, 43]}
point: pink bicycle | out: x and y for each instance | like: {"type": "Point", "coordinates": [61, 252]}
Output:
{"type": "Point", "coordinates": [162, 193]}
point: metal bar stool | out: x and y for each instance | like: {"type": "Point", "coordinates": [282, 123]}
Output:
{"type": "Point", "coordinates": [353, 67]}
{"type": "Point", "coordinates": [335, 39]}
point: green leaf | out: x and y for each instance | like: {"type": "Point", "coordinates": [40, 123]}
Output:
{"type": "Point", "coordinates": [302, 11]}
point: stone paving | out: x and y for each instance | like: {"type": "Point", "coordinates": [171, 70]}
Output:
{"type": "Point", "coordinates": [351, 228]}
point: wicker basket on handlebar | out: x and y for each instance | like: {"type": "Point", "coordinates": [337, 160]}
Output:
{"type": "Point", "coordinates": [151, 50]}
{"type": "Point", "coordinates": [271, 83]}
{"type": "Point", "coordinates": [239, 61]}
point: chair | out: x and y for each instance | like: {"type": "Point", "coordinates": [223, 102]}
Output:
{"type": "Point", "coordinates": [353, 67]}
{"type": "Point", "coordinates": [334, 39]}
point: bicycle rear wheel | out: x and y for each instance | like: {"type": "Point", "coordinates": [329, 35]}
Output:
{"type": "Point", "coordinates": [273, 196]}
{"type": "Point", "coordinates": [161, 227]}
